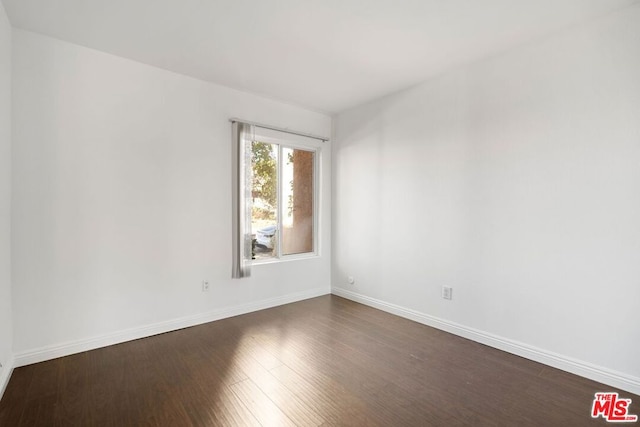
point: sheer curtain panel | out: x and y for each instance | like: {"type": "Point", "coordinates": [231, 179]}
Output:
{"type": "Point", "coordinates": [242, 239]}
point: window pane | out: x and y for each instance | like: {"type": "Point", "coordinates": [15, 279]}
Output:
{"type": "Point", "coordinates": [297, 201]}
{"type": "Point", "coordinates": [264, 219]}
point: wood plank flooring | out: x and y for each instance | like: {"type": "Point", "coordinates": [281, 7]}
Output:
{"type": "Point", "coordinates": [325, 361]}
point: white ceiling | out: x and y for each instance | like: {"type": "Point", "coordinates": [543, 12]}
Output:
{"type": "Point", "coordinates": [326, 55]}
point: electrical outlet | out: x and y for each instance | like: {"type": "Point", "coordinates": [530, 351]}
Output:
{"type": "Point", "coordinates": [447, 292]}
{"type": "Point", "coordinates": [205, 286]}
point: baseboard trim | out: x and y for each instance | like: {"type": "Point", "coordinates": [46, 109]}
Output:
{"type": "Point", "coordinates": [5, 375]}
{"type": "Point", "coordinates": [578, 367]}
{"type": "Point", "coordinates": [65, 349]}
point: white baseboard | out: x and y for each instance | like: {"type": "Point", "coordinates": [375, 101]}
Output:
{"type": "Point", "coordinates": [68, 348]}
{"type": "Point", "coordinates": [578, 367]}
{"type": "Point", "coordinates": [5, 375]}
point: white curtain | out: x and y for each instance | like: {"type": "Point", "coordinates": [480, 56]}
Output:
{"type": "Point", "coordinates": [242, 239]}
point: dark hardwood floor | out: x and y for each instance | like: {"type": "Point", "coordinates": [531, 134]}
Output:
{"type": "Point", "coordinates": [324, 361]}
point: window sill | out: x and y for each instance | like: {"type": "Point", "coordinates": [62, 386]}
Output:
{"type": "Point", "coordinates": [287, 258]}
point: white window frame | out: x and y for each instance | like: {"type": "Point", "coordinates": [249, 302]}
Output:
{"type": "Point", "coordinates": [285, 140]}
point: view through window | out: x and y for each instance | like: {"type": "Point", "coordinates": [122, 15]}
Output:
{"type": "Point", "coordinates": [283, 193]}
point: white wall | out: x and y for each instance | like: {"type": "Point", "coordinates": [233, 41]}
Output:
{"type": "Point", "coordinates": [6, 329]}
{"type": "Point", "coordinates": [515, 180]}
{"type": "Point", "coordinates": [122, 192]}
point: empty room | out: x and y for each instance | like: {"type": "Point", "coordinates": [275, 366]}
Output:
{"type": "Point", "coordinates": [297, 213]}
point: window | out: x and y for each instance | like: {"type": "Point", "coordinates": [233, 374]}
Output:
{"type": "Point", "coordinates": [283, 200]}
{"type": "Point", "coordinates": [275, 196]}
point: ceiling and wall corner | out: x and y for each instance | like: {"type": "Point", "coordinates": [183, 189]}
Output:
{"type": "Point", "coordinates": [327, 55]}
